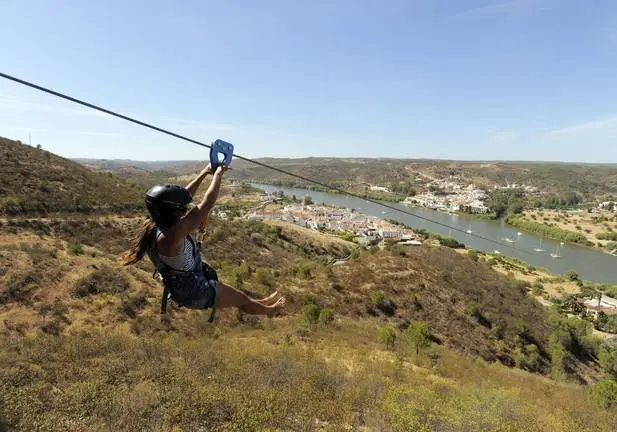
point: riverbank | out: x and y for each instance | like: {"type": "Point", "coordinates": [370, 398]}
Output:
{"type": "Point", "coordinates": [567, 291]}
{"type": "Point", "coordinates": [597, 228]}
{"type": "Point", "coordinates": [548, 231]}
{"type": "Point", "coordinates": [486, 235]}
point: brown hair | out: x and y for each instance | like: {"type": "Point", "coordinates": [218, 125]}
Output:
{"type": "Point", "coordinates": [143, 239]}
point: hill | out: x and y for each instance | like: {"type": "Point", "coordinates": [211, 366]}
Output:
{"type": "Point", "coordinates": [82, 342]}
{"type": "Point", "coordinates": [405, 177]}
{"type": "Point", "coordinates": [398, 338]}
{"type": "Point", "coordinates": [36, 181]}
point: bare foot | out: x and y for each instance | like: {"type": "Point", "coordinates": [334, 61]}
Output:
{"type": "Point", "coordinates": [268, 301]}
{"type": "Point", "coordinates": [277, 307]}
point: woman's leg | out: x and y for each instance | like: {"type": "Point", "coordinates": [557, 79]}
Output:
{"type": "Point", "coordinates": [267, 301]}
{"type": "Point", "coordinates": [264, 301]}
{"type": "Point", "coordinates": [231, 297]}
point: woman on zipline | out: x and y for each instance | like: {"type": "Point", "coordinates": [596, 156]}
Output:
{"type": "Point", "coordinates": [165, 238]}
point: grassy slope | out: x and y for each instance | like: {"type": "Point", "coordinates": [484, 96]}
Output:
{"type": "Point", "coordinates": [34, 180]}
{"type": "Point", "coordinates": [117, 364]}
{"type": "Point", "coordinates": [278, 376]}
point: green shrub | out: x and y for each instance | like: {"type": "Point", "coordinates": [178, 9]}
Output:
{"type": "Point", "coordinates": [326, 316]}
{"type": "Point", "coordinates": [533, 357]}
{"type": "Point", "coordinates": [474, 254]}
{"type": "Point", "coordinates": [612, 236]}
{"type": "Point", "coordinates": [547, 231]}
{"type": "Point", "coordinates": [310, 299]}
{"type": "Point", "coordinates": [558, 359]}
{"type": "Point", "coordinates": [378, 298]}
{"type": "Point", "coordinates": [571, 275]}
{"type": "Point", "coordinates": [521, 285]}
{"type": "Point", "coordinates": [451, 243]}
{"type": "Point", "coordinates": [473, 309]}
{"type": "Point", "coordinates": [604, 393]}
{"type": "Point", "coordinates": [350, 237]}
{"type": "Point", "coordinates": [76, 249]}
{"type": "Point", "coordinates": [607, 356]}
{"type": "Point", "coordinates": [387, 336]}
{"type": "Point", "coordinates": [264, 277]}
{"type": "Point", "coordinates": [310, 313]}
{"type": "Point", "coordinates": [418, 335]}
{"type": "Point", "coordinates": [519, 358]}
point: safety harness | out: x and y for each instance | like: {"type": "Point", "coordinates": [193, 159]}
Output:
{"type": "Point", "coordinates": [186, 288]}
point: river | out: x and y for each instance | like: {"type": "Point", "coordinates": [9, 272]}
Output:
{"type": "Point", "coordinates": [591, 264]}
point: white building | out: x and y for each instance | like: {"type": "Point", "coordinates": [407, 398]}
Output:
{"type": "Point", "coordinates": [390, 234]}
{"type": "Point", "coordinates": [606, 302]}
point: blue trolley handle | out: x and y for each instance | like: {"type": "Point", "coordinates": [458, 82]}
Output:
{"type": "Point", "coordinates": [220, 146]}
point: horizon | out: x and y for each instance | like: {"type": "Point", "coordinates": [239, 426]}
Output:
{"type": "Point", "coordinates": [472, 80]}
{"type": "Point", "coordinates": [370, 158]}
{"type": "Point", "coordinates": [466, 161]}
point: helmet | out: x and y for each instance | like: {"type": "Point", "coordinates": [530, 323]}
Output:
{"type": "Point", "coordinates": [163, 200]}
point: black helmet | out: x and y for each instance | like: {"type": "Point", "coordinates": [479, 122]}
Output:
{"type": "Point", "coordinates": [163, 200]}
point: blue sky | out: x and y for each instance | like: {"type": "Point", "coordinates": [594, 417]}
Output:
{"type": "Point", "coordinates": [464, 79]}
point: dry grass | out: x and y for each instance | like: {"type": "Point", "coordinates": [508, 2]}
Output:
{"type": "Point", "coordinates": [570, 221]}
{"type": "Point", "coordinates": [107, 360]}
{"type": "Point", "coordinates": [282, 377]}
{"type": "Point", "coordinates": [36, 182]}
{"type": "Point", "coordinates": [319, 238]}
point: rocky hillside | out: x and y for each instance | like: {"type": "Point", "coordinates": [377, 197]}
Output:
{"type": "Point", "coordinates": [36, 181]}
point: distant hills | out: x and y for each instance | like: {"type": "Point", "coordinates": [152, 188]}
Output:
{"type": "Point", "coordinates": [402, 176]}
{"type": "Point", "coordinates": [34, 180]}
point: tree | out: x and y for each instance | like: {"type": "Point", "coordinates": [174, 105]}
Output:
{"type": "Point", "coordinates": [601, 320]}
{"type": "Point", "coordinates": [605, 393]}
{"type": "Point", "coordinates": [572, 275]}
{"type": "Point", "coordinates": [308, 200]}
{"type": "Point", "coordinates": [608, 360]}
{"type": "Point", "coordinates": [533, 358]}
{"type": "Point", "coordinates": [418, 335]}
{"type": "Point", "coordinates": [558, 359]}
{"type": "Point", "coordinates": [572, 304]}
{"type": "Point", "coordinates": [387, 336]}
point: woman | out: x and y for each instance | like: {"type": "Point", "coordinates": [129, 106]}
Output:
{"type": "Point", "coordinates": [165, 238]}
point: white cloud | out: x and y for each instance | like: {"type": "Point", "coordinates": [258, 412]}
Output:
{"type": "Point", "coordinates": [494, 9]}
{"type": "Point", "coordinates": [504, 136]}
{"type": "Point", "coordinates": [15, 103]}
{"type": "Point", "coordinates": [62, 131]}
{"type": "Point", "coordinates": [197, 124]}
{"type": "Point", "coordinates": [594, 127]}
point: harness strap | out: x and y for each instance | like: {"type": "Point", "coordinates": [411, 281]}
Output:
{"type": "Point", "coordinates": [164, 299]}
{"type": "Point", "coordinates": [209, 274]}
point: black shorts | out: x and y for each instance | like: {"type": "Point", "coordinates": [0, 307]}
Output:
{"type": "Point", "coordinates": [208, 296]}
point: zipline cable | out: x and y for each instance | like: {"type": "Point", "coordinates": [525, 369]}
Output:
{"type": "Point", "coordinates": [282, 171]}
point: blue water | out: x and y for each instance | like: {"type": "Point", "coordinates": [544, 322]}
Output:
{"type": "Point", "coordinates": [590, 264]}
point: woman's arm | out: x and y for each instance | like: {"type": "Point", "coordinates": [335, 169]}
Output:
{"type": "Point", "coordinates": [192, 219]}
{"type": "Point", "coordinates": [194, 184]}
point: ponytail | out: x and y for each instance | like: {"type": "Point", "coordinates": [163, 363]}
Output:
{"type": "Point", "coordinates": [141, 242]}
